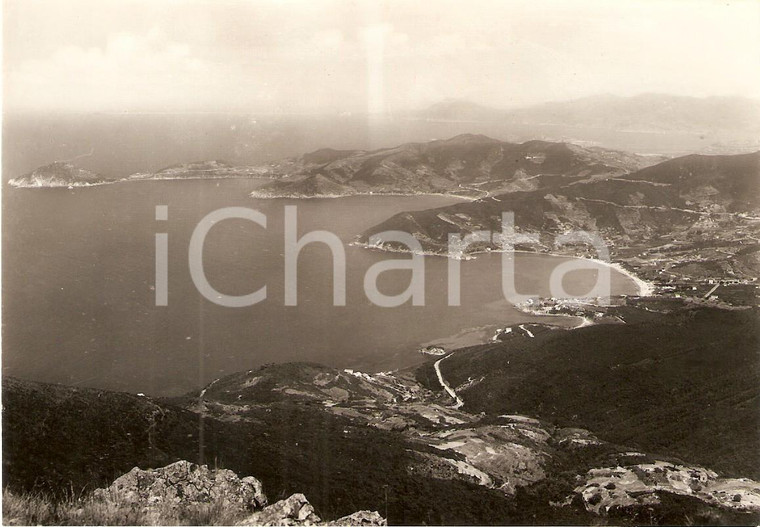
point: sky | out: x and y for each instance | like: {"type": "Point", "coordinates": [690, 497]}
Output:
{"type": "Point", "coordinates": [341, 56]}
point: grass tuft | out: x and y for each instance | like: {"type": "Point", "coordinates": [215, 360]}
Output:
{"type": "Point", "coordinates": [40, 509]}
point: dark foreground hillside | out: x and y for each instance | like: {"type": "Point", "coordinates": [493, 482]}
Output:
{"type": "Point", "coordinates": [685, 384]}
{"type": "Point", "coordinates": [58, 438]}
{"type": "Point", "coordinates": [652, 422]}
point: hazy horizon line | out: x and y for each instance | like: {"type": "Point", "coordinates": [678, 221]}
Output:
{"type": "Point", "coordinates": [389, 113]}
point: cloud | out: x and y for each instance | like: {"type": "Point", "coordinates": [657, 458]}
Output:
{"type": "Point", "coordinates": [128, 69]}
{"type": "Point", "coordinates": [353, 55]}
{"type": "Point", "coordinates": [124, 52]}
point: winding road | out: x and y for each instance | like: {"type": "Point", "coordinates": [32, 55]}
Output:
{"type": "Point", "coordinates": [446, 386]}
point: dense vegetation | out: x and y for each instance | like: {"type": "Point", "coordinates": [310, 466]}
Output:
{"type": "Point", "coordinates": [451, 166]}
{"type": "Point", "coordinates": [684, 384]}
{"type": "Point", "coordinates": [37, 508]}
{"type": "Point", "coordinates": [60, 440]}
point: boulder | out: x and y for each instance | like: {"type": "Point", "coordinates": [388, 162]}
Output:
{"type": "Point", "coordinates": [164, 491]}
{"type": "Point", "coordinates": [186, 484]}
{"type": "Point", "coordinates": [295, 510]}
{"type": "Point", "coordinates": [361, 518]}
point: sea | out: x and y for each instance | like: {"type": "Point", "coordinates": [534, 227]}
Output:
{"type": "Point", "coordinates": [79, 264]}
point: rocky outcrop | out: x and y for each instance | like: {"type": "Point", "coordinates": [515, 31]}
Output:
{"type": "Point", "coordinates": [184, 484]}
{"type": "Point", "coordinates": [361, 518]}
{"type": "Point", "coordinates": [296, 510]}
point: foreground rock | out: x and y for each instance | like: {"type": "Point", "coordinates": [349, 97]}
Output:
{"type": "Point", "coordinates": [361, 518]}
{"type": "Point", "coordinates": [186, 484]}
{"type": "Point", "coordinates": [296, 510]}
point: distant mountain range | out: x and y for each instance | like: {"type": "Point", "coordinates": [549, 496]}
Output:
{"type": "Point", "coordinates": [695, 216]}
{"type": "Point", "coordinates": [648, 112]}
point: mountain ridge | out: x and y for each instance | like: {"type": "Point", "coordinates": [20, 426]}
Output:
{"type": "Point", "coordinates": [693, 217]}
{"type": "Point", "coordinates": [468, 165]}
{"type": "Point", "coordinates": [649, 112]}
{"type": "Point", "coordinates": [440, 166]}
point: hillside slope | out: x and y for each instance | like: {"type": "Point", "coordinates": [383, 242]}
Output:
{"type": "Point", "coordinates": [469, 165]}
{"type": "Point", "coordinates": [728, 183]}
{"type": "Point", "coordinates": [695, 216]}
{"type": "Point", "coordinates": [59, 174]}
{"type": "Point", "coordinates": [683, 384]}
{"type": "Point", "coordinates": [394, 441]}
{"type": "Point", "coordinates": [56, 438]}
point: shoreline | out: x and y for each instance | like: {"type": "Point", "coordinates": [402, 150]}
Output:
{"type": "Point", "coordinates": [129, 179]}
{"type": "Point", "coordinates": [255, 195]}
{"type": "Point", "coordinates": [645, 288]}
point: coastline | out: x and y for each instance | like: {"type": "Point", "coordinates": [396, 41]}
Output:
{"type": "Point", "coordinates": [645, 288]}
{"type": "Point", "coordinates": [256, 195]}
{"type": "Point", "coordinates": [478, 335]}
{"type": "Point", "coordinates": [129, 179]}
{"type": "Point", "coordinates": [17, 184]}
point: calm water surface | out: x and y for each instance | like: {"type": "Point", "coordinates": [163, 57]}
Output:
{"type": "Point", "coordinates": [78, 299]}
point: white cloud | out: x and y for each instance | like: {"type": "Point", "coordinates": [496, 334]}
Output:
{"type": "Point", "coordinates": [127, 70]}
{"type": "Point", "coordinates": [351, 55]}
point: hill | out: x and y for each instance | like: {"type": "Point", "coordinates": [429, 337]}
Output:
{"type": "Point", "coordinates": [56, 438]}
{"type": "Point", "coordinates": [316, 185]}
{"type": "Point", "coordinates": [694, 216]}
{"type": "Point", "coordinates": [704, 182]}
{"type": "Point", "coordinates": [682, 384]}
{"type": "Point", "coordinates": [59, 174]}
{"type": "Point", "coordinates": [388, 441]}
{"type": "Point", "coordinates": [213, 169]}
{"type": "Point", "coordinates": [468, 165]}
